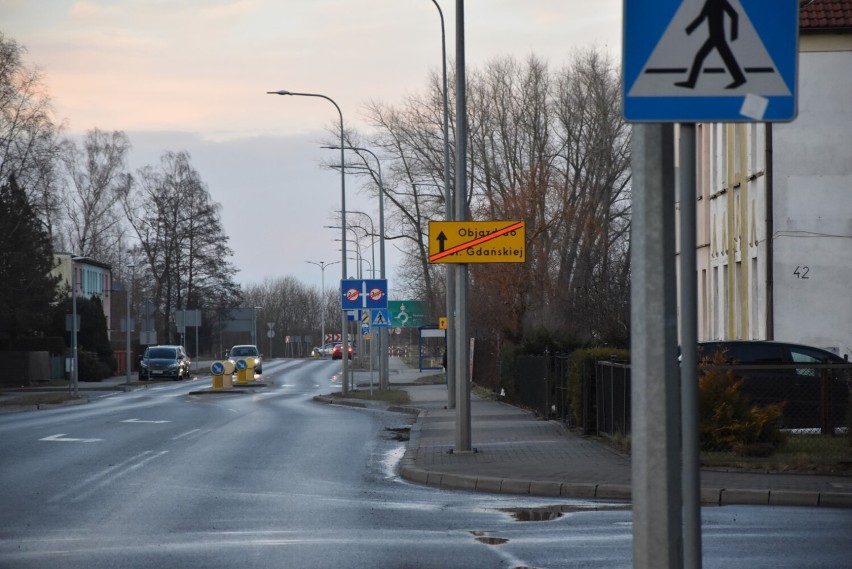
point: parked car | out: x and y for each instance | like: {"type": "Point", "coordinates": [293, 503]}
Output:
{"type": "Point", "coordinates": [814, 395]}
{"type": "Point", "coordinates": [164, 361]}
{"type": "Point", "coordinates": [247, 351]}
{"type": "Point", "coordinates": [337, 351]}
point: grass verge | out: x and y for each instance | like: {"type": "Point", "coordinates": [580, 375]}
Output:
{"type": "Point", "coordinates": [36, 399]}
{"type": "Point", "coordinates": [395, 396]}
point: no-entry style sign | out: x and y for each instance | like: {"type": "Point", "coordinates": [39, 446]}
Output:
{"type": "Point", "coordinates": [364, 293]}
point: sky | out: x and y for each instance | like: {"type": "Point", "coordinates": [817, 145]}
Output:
{"type": "Point", "coordinates": [192, 75]}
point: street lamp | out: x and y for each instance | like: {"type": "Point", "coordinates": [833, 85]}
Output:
{"type": "Point", "coordinates": [75, 378]}
{"type": "Point", "coordinates": [343, 322]}
{"type": "Point", "coordinates": [322, 265]}
{"type": "Point", "coordinates": [383, 333]}
{"type": "Point", "coordinates": [254, 310]}
{"type": "Point", "coordinates": [128, 324]}
{"type": "Point", "coordinates": [448, 202]}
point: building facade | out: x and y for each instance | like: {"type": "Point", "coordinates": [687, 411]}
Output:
{"type": "Point", "coordinates": [92, 279]}
{"type": "Point", "coordinates": [775, 205]}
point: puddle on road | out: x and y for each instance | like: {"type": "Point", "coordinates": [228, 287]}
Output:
{"type": "Point", "coordinates": [548, 513]}
{"type": "Point", "coordinates": [483, 537]}
{"type": "Point", "coordinates": [401, 434]}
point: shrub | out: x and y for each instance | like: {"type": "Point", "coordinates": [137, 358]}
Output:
{"type": "Point", "coordinates": [727, 422]}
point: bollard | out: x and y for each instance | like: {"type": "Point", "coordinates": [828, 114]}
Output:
{"type": "Point", "coordinates": [251, 363]}
{"type": "Point", "coordinates": [241, 372]}
{"type": "Point", "coordinates": [217, 369]}
{"type": "Point", "coordinates": [228, 378]}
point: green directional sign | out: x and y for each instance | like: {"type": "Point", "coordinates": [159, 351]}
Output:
{"type": "Point", "coordinates": [407, 313]}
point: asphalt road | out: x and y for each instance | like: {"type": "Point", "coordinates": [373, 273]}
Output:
{"type": "Point", "coordinates": [268, 478]}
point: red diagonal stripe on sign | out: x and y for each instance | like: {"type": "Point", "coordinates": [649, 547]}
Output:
{"type": "Point", "coordinates": [476, 241]}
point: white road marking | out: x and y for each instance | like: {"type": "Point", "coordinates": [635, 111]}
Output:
{"type": "Point", "coordinates": [63, 439]}
{"type": "Point", "coordinates": [143, 421]}
{"type": "Point", "coordinates": [186, 434]}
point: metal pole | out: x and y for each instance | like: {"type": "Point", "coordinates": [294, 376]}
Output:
{"type": "Point", "coordinates": [74, 377]}
{"type": "Point", "coordinates": [655, 393]}
{"type": "Point", "coordinates": [688, 348]}
{"type": "Point", "coordinates": [343, 322]}
{"type": "Point", "coordinates": [127, 358]}
{"type": "Point", "coordinates": [448, 202]}
{"type": "Point", "coordinates": [383, 331]}
{"type": "Point", "coordinates": [463, 437]}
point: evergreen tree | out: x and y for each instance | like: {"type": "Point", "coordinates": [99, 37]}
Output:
{"type": "Point", "coordinates": [27, 288]}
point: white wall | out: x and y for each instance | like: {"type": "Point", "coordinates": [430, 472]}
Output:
{"type": "Point", "coordinates": [813, 207]}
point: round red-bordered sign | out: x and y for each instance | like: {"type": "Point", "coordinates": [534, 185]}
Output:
{"type": "Point", "coordinates": [352, 294]}
{"type": "Point", "coordinates": [376, 294]}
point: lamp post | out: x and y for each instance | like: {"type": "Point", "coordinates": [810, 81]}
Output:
{"type": "Point", "coordinates": [322, 265]}
{"type": "Point", "coordinates": [448, 202]}
{"type": "Point", "coordinates": [75, 378]}
{"type": "Point", "coordinates": [343, 322]}
{"type": "Point", "coordinates": [254, 310]}
{"type": "Point", "coordinates": [372, 241]}
{"type": "Point", "coordinates": [383, 333]}
{"type": "Point", "coordinates": [129, 325]}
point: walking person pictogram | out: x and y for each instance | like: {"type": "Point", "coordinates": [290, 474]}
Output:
{"type": "Point", "coordinates": [714, 12]}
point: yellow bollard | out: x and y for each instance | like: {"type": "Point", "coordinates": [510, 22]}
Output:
{"type": "Point", "coordinates": [251, 363]}
{"type": "Point", "coordinates": [228, 377]}
{"type": "Point", "coordinates": [241, 372]}
{"type": "Point", "coordinates": [217, 369]}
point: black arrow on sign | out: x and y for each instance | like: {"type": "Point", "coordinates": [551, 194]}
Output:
{"type": "Point", "coordinates": [441, 239]}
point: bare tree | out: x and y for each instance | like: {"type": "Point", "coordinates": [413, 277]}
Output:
{"type": "Point", "coordinates": [181, 240]}
{"type": "Point", "coordinates": [28, 134]}
{"type": "Point", "coordinates": [594, 163]}
{"type": "Point", "coordinates": [548, 148]}
{"type": "Point", "coordinates": [97, 179]}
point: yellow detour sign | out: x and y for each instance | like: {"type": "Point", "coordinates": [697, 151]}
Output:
{"type": "Point", "coordinates": [477, 242]}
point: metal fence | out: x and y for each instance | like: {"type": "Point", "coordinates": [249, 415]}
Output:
{"type": "Point", "coordinates": [799, 413]}
{"type": "Point", "coordinates": [612, 397]}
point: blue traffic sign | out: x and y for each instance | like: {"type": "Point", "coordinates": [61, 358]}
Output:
{"type": "Point", "coordinates": [710, 60]}
{"type": "Point", "coordinates": [217, 368]}
{"type": "Point", "coordinates": [364, 293]}
{"type": "Point", "coordinates": [241, 364]}
{"type": "Point", "coordinates": [381, 318]}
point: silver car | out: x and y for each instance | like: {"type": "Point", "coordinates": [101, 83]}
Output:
{"type": "Point", "coordinates": [247, 351]}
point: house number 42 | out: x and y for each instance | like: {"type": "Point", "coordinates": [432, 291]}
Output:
{"type": "Point", "coordinates": [802, 272]}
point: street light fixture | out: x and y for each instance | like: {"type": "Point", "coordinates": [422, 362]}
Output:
{"type": "Point", "coordinates": [322, 265]}
{"type": "Point", "coordinates": [128, 324]}
{"type": "Point", "coordinates": [343, 322]}
{"type": "Point", "coordinates": [383, 333]}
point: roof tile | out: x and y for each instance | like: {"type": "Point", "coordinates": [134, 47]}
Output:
{"type": "Point", "coordinates": [825, 15]}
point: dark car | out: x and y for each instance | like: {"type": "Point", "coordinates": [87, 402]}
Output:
{"type": "Point", "coordinates": [814, 392]}
{"type": "Point", "coordinates": [164, 361]}
{"type": "Point", "coordinates": [337, 351]}
{"type": "Point", "coordinates": [247, 351]}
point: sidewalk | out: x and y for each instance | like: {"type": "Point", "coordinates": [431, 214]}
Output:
{"type": "Point", "coordinates": [518, 453]}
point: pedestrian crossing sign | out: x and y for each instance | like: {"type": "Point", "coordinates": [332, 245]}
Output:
{"type": "Point", "coordinates": [710, 60]}
{"type": "Point", "coordinates": [381, 317]}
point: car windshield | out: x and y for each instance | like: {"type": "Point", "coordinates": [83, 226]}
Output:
{"type": "Point", "coordinates": [244, 351]}
{"type": "Point", "coordinates": [161, 353]}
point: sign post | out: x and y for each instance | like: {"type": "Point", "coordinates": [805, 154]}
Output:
{"type": "Point", "coordinates": [685, 61]}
